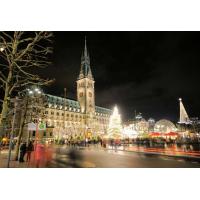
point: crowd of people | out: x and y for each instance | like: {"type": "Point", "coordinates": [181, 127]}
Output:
{"type": "Point", "coordinates": [80, 141]}
{"type": "Point", "coordinates": [37, 154]}
{"type": "Point", "coordinates": [26, 150]}
{"type": "Point", "coordinates": [165, 141]}
{"type": "Point", "coordinates": [40, 153]}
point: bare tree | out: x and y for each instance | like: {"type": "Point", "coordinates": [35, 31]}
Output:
{"type": "Point", "coordinates": [32, 107]}
{"type": "Point", "coordinates": [21, 54]}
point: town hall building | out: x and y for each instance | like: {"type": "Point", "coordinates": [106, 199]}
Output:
{"type": "Point", "coordinates": [66, 117]}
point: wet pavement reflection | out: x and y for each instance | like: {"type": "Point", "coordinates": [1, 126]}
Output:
{"type": "Point", "coordinates": [127, 156]}
{"type": "Point", "coordinates": [95, 156]}
{"type": "Point", "coordinates": [173, 149]}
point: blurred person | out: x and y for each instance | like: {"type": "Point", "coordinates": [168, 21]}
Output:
{"type": "Point", "coordinates": [39, 154]}
{"type": "Point", "coordinates": [48, 155]}
{"type": "Point", "coordinates": [104, 143]}
{"type": "Point", "coordinates": [112, 143]}
{"type": "Point", "coordinates": [116, 143]}
{"type": "Point", "coordinates": [22, 152]}
{"type": "Point", "coordinates": [12, 145]}
{"type": "Point", "coordinates": [86, 142]}
{"type": "Point", "coordinates": [75, 158]}
{"type": "Point", "coordinates": [101, 142]}
{"type": "Point", "coordinates": [30, 148]}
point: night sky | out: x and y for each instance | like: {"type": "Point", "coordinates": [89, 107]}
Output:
{"type": "Point", "coordinates": [142, 71]}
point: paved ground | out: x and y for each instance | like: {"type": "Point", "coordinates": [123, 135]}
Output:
{"type": "Point", "coordinates": [13, 164]}
{"type": "Point", "coordinates": [104, 158]}
{"type": "Point", "coordinates": [121, 159]}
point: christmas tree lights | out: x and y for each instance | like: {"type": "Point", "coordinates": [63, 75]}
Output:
{"type": "Point", "coordinates": [115, 126]}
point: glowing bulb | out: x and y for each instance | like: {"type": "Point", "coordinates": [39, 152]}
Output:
{"type": "Point", "coordinates": [2, 49]}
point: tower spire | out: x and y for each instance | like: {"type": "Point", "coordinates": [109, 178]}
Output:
{"type": "Point", "coordinates": [85, 50]}
{"type": "Point", "coordinates": [184, 119]}
{"type": "Point", "coordinates": [85, 71]}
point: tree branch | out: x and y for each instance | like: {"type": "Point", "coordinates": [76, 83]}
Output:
{"type": "Point", "coordinates": [7, 35]}
{"type": "Point", "coordinates": [1, 79]}
{"type": "Point", "coordinates": [37, 38]}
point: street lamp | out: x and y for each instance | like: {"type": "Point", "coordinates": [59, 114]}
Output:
{"type": "Point", "coordinates": [27, 92]}
{"type": "Point", "coordinates": [2, 49]}
{"type": "Point", "coordinates": [36, 91]}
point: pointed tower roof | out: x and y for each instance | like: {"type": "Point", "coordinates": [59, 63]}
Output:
{"type": "Point", "coordinates": [85, 49]}
{"type": "Point", "coordinates": [85, 71]}
{"type": "Point", "coordinates": [184, 118]}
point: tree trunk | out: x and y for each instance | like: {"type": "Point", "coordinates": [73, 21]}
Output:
{"type": "Point", "coordinates": [20, 134]}
{"type": "Point", "coordinates": [4, 112]}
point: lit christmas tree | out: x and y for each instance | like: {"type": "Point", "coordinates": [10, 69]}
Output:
{"type": "Point", "coordinates": [115, 126]}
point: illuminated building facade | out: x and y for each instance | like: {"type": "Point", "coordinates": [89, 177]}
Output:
{"type": "Point", "coordinates": [82, 117]}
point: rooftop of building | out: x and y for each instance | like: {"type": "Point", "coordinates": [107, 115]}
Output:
{"type": "Point", "coordinates": [60, 101]}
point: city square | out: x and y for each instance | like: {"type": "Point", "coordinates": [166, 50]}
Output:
{"type": "Point", "coordinates": [40, 128]}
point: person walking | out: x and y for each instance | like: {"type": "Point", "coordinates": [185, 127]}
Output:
{"type": "Point", "coordinates": [112, 143]}
{"type": "Point", "coordinates": [29, 150]}
{"type": "Point", "coordinates": [101, 142]}
{"type": "Point", "coordinates": [48, 155]}
{"type": "Point", "coordinates": [22, 152]}
{"type": "Point", "coordinates": [39, 154]}
{"type": "Point", "coordinates": [12, 145]}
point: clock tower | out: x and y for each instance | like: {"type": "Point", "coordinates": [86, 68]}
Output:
{"type": "Point", "coordinates": [85, 85]}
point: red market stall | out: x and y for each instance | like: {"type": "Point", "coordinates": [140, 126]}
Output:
{"type": "Point", "coordinates": [171, 135]}
{"type": "Point", "coordinates": [155, 134]}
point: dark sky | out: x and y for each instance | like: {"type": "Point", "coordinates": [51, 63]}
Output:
{"type": "Point", "coordinates": [142, 71]}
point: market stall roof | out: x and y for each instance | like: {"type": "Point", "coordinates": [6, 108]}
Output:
{"type": "Point", "coordinates": [171, 134]}
{"type": "Point", "coordinates": [154, 134]}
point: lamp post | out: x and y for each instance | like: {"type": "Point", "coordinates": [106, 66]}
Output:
{"type": "Point", "coordinates": [35, 92]}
